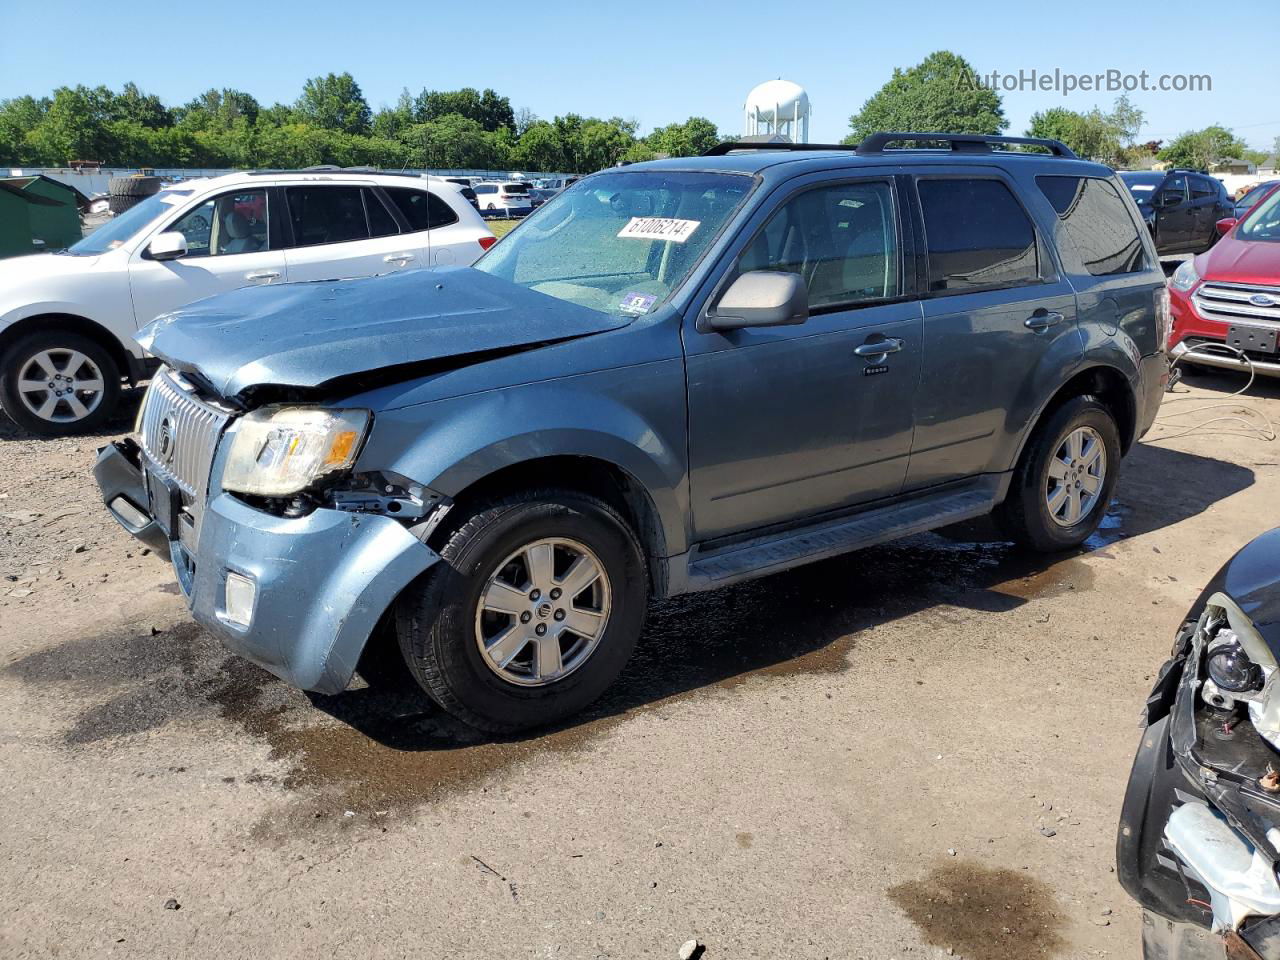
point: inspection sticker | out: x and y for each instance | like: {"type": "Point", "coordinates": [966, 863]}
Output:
{"type": "Point", "coordinates": [636, 302]}
{"type": "Point", "coordinates": [660, 228]}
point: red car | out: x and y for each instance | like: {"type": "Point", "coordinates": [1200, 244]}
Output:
{"type": "Point", "coordinates": [1226, 302]}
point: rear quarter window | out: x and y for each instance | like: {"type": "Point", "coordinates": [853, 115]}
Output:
{"type": "Point", "coordinates": [978, 235]}
{"type": "Point", "coordinates": [423, 210]}
{"type": "Point", "coordinates": [1097, 222]}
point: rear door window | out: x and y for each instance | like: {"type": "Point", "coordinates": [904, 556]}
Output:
{"type": "Point", "coordinates": [326, 214]}
{"type": "Point", "coordinates": [381, 222]}
{"type": "Point", "coordinates": [1202, 188]}
{"type": "Point", "coordinates": [423, 210]}
{"type": "Point", "coordinates": [1097, 222]}
{"type": "Point", "coordinates": [978, 235]}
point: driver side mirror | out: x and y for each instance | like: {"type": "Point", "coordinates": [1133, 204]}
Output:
{"type": "Point", "coordinates": [761, 298]}
{"type": "Point", "coordinates": [170, 245]}
{"type": "Point", "coordinates": [1224, 225]}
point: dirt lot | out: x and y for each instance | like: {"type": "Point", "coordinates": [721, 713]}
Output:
{"type": "Point", "coordinates": [861, 758]}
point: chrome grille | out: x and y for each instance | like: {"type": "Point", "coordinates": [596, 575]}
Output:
{"type": "Point", "coordinates": [1239, 303]}
{"type": "Point", "coordinates": [179, 433]}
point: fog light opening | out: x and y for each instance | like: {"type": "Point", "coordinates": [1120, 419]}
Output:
{"type": "Point", "coordinates": [128, 514]}
{"type": "Point", "coordinates": [238, 601]}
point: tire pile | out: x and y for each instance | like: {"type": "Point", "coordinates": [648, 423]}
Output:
{"type": "Point", "coordinates": [125, 192]}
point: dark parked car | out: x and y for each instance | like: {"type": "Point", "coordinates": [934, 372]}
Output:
{"type": "Point", "coordinates": [673, 376]}
{"type": "Point", "coordinates": [1180, 208]}
{"type": "Point", "coordinates": [1199, 838]}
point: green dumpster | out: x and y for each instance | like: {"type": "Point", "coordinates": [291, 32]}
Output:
{"type": "Point", "coordinates": [37, 213]}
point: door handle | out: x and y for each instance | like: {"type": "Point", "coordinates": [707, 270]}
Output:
{"type": "Point", "coordinates": [878, 348]}
{"type": "Point", "coordinates": [263, 275]}
{"type": "Point", "coordinates": [1043, 321]}
{"type": "Point", "coordinates": [400, 258]}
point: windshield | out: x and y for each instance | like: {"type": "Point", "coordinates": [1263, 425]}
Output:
{"type": "Point", "coordinates": [1254, 194]}
{"type": "Point", "coordinates": [1141, 185]}
{"type": "Point", "coordinates": [123, 227]}
{"type": "Point", "coordinates": [1263, 221]}
{"type": "Point", "coordinates": [620, 243]}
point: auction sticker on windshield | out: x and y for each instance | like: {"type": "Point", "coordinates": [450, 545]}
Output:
{"type": "Point", "coordinates": [660, 228]}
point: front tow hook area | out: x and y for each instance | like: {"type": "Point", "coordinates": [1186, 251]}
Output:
{"type": "Point", "coordinates": [118, 471]}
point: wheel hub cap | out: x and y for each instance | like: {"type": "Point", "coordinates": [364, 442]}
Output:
{"type": "Point", "coordinates": [542, 612]}
{"type": "Point", "coordinates": [60, 385]}
{"type": "Point", "coordinates": [1077, 471]}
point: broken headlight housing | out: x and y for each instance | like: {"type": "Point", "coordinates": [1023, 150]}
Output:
{"type": "Point", "coordinates": [278, 451]}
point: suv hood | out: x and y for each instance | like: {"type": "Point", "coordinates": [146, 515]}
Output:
{"type": "Point", "coordinates": [1241, 261]}
{"type": "Point", "coordinates": [305, 335]}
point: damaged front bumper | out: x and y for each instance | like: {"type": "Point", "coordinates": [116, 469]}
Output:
{"type": "Point", "coordinates": [1198, 836]}
{"type": "Point", "coordinates": [298, 596]}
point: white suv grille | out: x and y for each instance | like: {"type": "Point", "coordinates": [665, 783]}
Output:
{"type": "Point", "coordinates": [1238, 303]}
{"type": "Point", "coordinates": [179, 433]}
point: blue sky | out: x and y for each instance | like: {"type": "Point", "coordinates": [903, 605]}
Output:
{"type": "Point", "coordinates": [661, 61]}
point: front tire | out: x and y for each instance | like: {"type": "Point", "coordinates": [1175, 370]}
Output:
{"type": "Point", "coordinates": [1065, 478]}
{"type": "Point", "coordinates": [532, 614]}
{"type": "Point", "coordinates": [56, 383]}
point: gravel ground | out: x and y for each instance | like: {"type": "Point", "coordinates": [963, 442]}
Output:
{"type": "Point", "coordinates": [864, 758]}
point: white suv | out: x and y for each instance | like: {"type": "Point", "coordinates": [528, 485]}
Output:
{"type": "Point", "coordinates": [504, 197]}
{"type": "Point", "coordinates": [67, 319]}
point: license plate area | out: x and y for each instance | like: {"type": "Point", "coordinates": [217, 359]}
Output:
{"type": "Point", "coordinates": [165, 500]}
{"type": "Point", "coordinates": [1258, 339]}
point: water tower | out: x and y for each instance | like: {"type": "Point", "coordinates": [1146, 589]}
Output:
{"type": "Point", "coordinates": [778, 107]}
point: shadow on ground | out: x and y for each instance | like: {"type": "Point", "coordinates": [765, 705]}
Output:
{"type": "Point", "coordinates": [368, 750]}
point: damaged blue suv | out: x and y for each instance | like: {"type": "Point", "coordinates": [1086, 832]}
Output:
{"type": "Point", "coordinates": [671, 377]}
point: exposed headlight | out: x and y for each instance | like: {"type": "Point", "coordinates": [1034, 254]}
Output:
{"type": "Point", "coordinates": [1185, 277]}
{"type": "Point", "coordinates": [282, 450]}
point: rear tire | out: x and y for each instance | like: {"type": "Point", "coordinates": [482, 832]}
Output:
{"type": "Point", "coordinates": [81, 368]}
{"type": "Point", "coordinates": [1063, 483]}
{"type": "Point", "coordinates": [455, 639]}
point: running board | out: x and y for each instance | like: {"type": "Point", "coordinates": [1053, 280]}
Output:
{"type": "Point", "coordinates": [792, 548]}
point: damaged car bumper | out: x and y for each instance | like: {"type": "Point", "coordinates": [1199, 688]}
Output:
{"type": "Point", "coordinates": [299, 596]}
{"type": "Point", "coordinates": [1199, 834]}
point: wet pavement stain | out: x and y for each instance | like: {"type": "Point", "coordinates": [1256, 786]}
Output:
{"type": "Point", "coordinates": [983, 913]}
{"type": "Point", "coordinates": [368, 750]}
{"type": "Point", "coordinates": [745, 840]}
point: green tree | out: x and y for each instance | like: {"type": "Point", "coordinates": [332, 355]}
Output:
{"type": "Point", "coordinates": [144, 109]}
{"type": "Point", "coordinates": [488, 109]}
{"type": "Point", "coordinates": [334, 102]}
{"type": "Point", "coordinates": [940, 94]}
{"type": "Point", "coordinates": [74, 127]}
{"type": "Point", "coordinates": [389, 121]}
{"type": "Point", "coordinates": [540, 147]}
{"type": "Point", "coordinates": [692, 138]}
{"type": "Point", "coordinates": [1093, 135]}
{"type": "Point", "coordinates": [1201, 149]}
{"type": "Point", "coordinates": [18, 118]}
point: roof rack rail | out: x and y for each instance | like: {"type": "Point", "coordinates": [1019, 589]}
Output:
{"type": "Point", "coordinates": [962, 143]}
{"type": "Point", "coordinates": [330, 168]}
{"type": "Point", "coordinates": [734, 146]}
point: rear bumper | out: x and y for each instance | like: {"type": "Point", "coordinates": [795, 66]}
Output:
{"type": "Point", "coordinates": [310, 589]}
{"type": "Point", "coordinates": [1153, 379]}
{"type": "Point", "coordinates": [1226, 360]}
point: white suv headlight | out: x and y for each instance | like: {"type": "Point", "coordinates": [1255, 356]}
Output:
{"type": "Point", "coordinates": [1185, 277]}
{"type": "Point", "coordinates": [282, 450]}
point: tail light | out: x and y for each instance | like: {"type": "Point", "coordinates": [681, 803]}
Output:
{"type": "Point", "coordinates": [487, 242]}
{"type": "Point", "coordinates": [1164, 317]}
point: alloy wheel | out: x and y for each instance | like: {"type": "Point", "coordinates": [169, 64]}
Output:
{"type": "Point", "coordinates": [1077, 471]}
{"type": "Point", "coordinates": [542, 612]}
{"type": "Point", "coordinates": [60, 385]}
